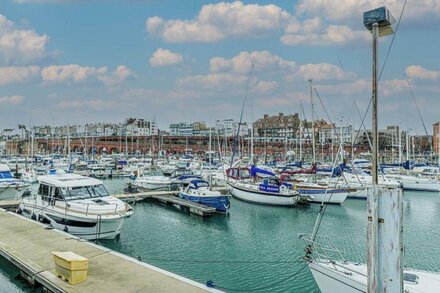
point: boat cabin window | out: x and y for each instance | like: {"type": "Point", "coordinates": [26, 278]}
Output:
{"type": "Point", "coordinates": [85, 192]}
{"type": "Point", "coordinates": [274, 181]}
{"type": "Point", "coordinates": [43, 190]}
{"type": "Point", "coordinates": [411, 278]}
{"type": "Point", "coordinates": [58, 193]}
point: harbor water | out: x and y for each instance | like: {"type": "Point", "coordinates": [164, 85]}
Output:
{"type": "Point", "coordinates": [256, 247]}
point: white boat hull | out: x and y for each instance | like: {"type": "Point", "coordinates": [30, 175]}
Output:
{"type": "Point", "coordinates": [89, 228]}
{"type": "Point", "coordinates": [421, 186]}
{"type": "Point", "coordinates": [334, 198]}
{"type": "Point", "coordinates": [335, 281]}
{"type": "Point", "coordinates": [153, 185]}
{"type": "Point", "coordinates": [351, 277]}
{"type": "Point", "coordinates": [262, 198]}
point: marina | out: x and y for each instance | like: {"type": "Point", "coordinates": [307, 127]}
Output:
{"type": "Point", "coordinates": [153, 231]}
{"type": "Point", "coordinates": [177, 175]}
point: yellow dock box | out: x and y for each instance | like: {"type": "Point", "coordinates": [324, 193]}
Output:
{"type": "Point", "coordinates": [70, 266]}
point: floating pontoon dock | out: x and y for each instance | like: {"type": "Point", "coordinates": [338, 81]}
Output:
{"type": "Point", "coordinates": [169, 197]}
{"type": "Point", "coordinates": [28, 245]}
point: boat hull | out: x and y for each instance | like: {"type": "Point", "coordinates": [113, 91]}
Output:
{"type": "Point", "coordinates": [420, 186]}
{"type": "Point", "coordinates": [153, 185]}
{"type": "Point", "coordinates": [351, 277]}
{"type": "Point", "coordinates": [265, 198]}
{"type": "Point", "coordinates": [89, 228]}
{"type": "Point", "coordinates": [320, 195]}
{"type": "Point", "coordinates": [335, 281]}
{"type": "Point", "coordinates": [220, 203]}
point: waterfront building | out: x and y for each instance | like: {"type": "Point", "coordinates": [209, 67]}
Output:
{"type": "Point", "coordinates": [277, 126]}
{"type": "Point", "coordinates": [335, 134]}
{"type": "Point", "coordinates": [229, 127]}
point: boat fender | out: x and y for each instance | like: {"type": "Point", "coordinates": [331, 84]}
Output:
{"type": "Point", "coordinates": [66, 229]}
{"type": "Point", "coordinates": [19, 211]}
{"type": "Point", "coordinates": [33, 217]}
{"type": "Point", "coordinates": [295, 187]}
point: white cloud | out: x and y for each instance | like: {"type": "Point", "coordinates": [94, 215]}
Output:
{"type": "Point", "coordinates": [121, 74]}
{"type": "Point", "coordinates": [418, 72]}
{"type": "Point", "coordinates": [19, 46]}
{"type": "Point", "coordinates": [71, 72]}
{"type": "Point", "coordinates": [218, 21]}
{"type": "Point", "coordinates": [316, 35]}
{"type": "Point", "coordinates": [88, 104]}
{"type": "Point", "coordinates": [76, 73]}
{"type": "Point", "coordinates": [266, 62]}
{"type": "Point", "coordinates": [265, 86]}
{"type": "Point", "coordinates": [163, 57]}
{"type": "Point", "coordinates": [213, 81]}
{"type": "Point", "coordinates": [13, 74]}
{"type": "Point", "coordinates": [323, 71]}
{"type": "Point", "coordinates": [363, 87]}
{"type": "Point", "coordinates": [11, 100]}
{"type": "Point", "coordinates": [241, 63]}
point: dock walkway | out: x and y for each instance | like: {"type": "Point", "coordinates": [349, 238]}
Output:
{"type": "Point", "coordinates": [170, 197]}
{"type": "Point", "coordinates": [29, 245]}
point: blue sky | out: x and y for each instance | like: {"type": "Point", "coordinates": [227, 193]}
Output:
{"type": "Point", "coordinates": [78, 61]}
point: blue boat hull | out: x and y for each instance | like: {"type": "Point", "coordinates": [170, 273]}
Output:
{"type": "Point", "coordinates": [220, 203]}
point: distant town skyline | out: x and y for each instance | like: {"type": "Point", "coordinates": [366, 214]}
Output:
{"type": "Point", "coordinates": [72, 62]}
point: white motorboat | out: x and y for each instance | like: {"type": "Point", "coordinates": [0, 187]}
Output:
{"type": "Point", "coordinates": [108, 162]}
{"type": "Point", "coordinates": [75, 204]}
{"type": "Point", "coordinates": [152, 179]}
{"type": "Point", "coordinates": [271, 191]}
{"type": "Point", "coordinates": [9, 186]}
{"type": "Point", "coordinates": [94, 169]}
{"type": "Point", "coordinates": [28, 175]}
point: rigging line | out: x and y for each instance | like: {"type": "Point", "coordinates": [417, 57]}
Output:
{"type": "Point", "coordinates": [326, 113]}
{"type": "Point", "coordinates": [211, 284]}
{"type": "Point", "coordinates": [242, 110]}
{"type": "Point", "coordinates": [392, 40]}
{"type": "Point", "coordinates": [417, 106]}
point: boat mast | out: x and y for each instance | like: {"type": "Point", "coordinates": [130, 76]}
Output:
{"type": "Point", "coordinates": [400, 148]}
{"type": "Point", "coordinates": [313, 123]}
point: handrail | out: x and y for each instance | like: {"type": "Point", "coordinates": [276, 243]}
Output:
{"type": "Point", "coordinates": [321, 248]}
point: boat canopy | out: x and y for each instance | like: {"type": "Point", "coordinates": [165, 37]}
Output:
{"type": "Point", "coordinates": [255, 171]}
{"type": "Point", "coordinates": [195, 184]}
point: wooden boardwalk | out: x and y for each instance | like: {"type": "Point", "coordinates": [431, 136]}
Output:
{"type": "Point", "coordinates": [29, 245]}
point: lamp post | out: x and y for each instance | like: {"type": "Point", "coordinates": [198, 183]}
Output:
{"type": "Point", "coordinates": [384, 206]}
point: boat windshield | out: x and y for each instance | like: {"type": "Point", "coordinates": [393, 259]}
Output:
{"type": "Point", "coordinates": [153, 173]}
{"type": "Point", "coordinates": [84, 192]}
